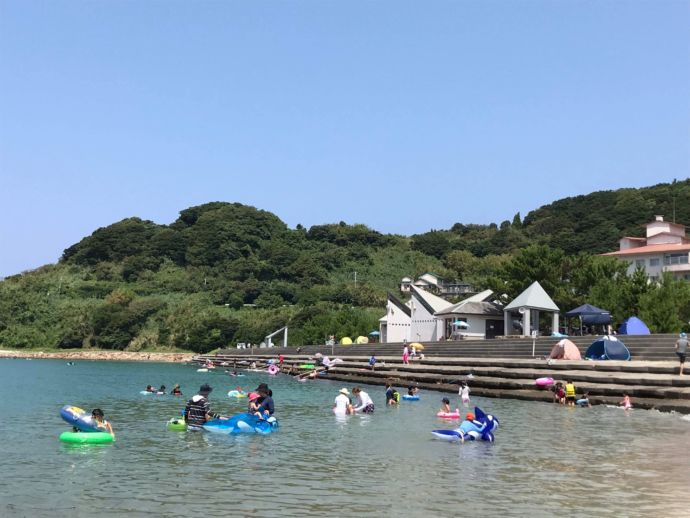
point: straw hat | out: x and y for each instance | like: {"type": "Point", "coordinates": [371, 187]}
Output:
{"type": "Point", "coordinates": [345, 391]}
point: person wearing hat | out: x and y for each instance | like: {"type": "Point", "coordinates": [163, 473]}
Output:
{"type": "Point", "coordinates": [681, 349]}
{"type": "Point", "coordinates": [265, 407]}
{"type": "Point", "coordinates": [343, 406]}
{"type": "Point", "coordinates": [176, 390]}
{"type": "Point", "coordinates": [198, 409]}
{"type": "Point", "coordinates": [469, 427]}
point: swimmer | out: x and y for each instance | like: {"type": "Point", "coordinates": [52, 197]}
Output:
{"type": "Point", "coordinates": [625, 403]}
{"type": "Point", "coordinates": [412, 391]}
{"type": "Point", "coordinates": [176, 390]}
{"type": "Point", "coordinates": [101, 423]}
{"type": "Point", "coordinates": [584, 401]}
{"type": "Point", "coordinates": [149, 388]}
{"type": "Point", "coordinates": [161, 390]}
{"type": "Point", "coordinates": [445, 406]}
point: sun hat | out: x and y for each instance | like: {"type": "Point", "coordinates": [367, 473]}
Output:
{"type": "Point", "coordinates": [344, 391]}
{"type": "Point", "coordinates": [263, 387]}
{"type": "Point", "coordinates": [469, 416]}
{"type": "Point", "coordinates": [253, 396]}
{"type": "Point", "coordinates": [683, 335]}
{"type": "Point", "coordinates": [205, 389]}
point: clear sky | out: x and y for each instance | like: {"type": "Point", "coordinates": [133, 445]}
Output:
{"type": "Point", "coordinates": [402, 115]}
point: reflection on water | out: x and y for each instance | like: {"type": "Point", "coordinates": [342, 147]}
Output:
{"type": "Point", "coordinates": [546, 460]}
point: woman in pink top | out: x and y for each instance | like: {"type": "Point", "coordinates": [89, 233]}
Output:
{"type": "Point", "coordinates": [406, 355]}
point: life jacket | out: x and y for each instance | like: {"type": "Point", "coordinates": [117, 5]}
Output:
{"type": "Point", "coordinates": [569, 390]}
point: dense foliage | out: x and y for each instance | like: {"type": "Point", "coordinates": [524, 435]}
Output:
{"type": "Point", "coordinates": [226, 272]}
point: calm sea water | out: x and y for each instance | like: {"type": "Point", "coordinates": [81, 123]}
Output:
{"type": "Point", "coordinates": [547, 460]}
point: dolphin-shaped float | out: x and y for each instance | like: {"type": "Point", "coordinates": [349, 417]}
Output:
{"type": "Point", "coordinates": [481, 428]}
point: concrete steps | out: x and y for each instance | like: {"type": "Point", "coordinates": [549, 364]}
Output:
{"type": "Point", "coordinates": [651, 384]}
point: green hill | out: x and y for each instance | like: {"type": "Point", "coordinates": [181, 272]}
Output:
{"type": "Point", "coordinates": [226, 272]}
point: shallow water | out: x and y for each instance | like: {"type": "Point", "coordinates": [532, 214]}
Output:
{"type": "Point", "coordinates": [547, 459]}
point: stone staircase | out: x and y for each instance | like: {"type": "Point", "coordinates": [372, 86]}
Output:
{"type": "Point", "coordinates": [642, 347]}
{"type": "Point", "coordinates": [500, 369]}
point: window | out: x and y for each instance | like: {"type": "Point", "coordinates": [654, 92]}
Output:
{"type": "Point", "coordinates": [654, 262]}
{"type": "Point", "coordinates": [670, 259]}
{"type": "Point", "coordinates": [639, 263]}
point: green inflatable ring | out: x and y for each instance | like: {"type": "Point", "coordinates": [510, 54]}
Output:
{"type": "Point", "coordinates": [177, 424]}
{"type": "Point", "coordinates": [307, 366]}
{"type": "Point", "coordinates": [86, 437]}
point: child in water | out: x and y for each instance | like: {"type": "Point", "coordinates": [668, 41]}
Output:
{"type": "Point", "coordinates": [101, 423]}
{"type": "Point", "coordinates": [625, 403]}
{"type": "Point", "coordinates": [445, 406]}
{"type": "Point", "coordinates": [176, 390]}
{"type": "Point", "coordinates": [464, 393]}
{"type": "Point", "coordinates": [253, 407]}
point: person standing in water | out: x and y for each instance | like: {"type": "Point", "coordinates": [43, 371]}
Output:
{"type": "Point", "coordinates": [464, 393]}
{"type": "Point", "coordinates": [681, 349]}
{"type": "Point", "coordinates": [364, 402]}
{"type": "Point", "coordinates": [343, 406]}
{"type": "Point", "coordinates": [198, 409]}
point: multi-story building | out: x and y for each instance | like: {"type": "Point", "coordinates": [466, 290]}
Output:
{"type": "Point", "coordinates": [664, 249]}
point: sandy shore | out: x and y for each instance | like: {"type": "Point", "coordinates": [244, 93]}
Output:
{"type": "Point", "coordinates": [99, 355]}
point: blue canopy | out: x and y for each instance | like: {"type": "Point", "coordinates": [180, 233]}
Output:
{"type": "Point", "coordinates": [590, 315]}
{"type": "Point", "coordinates": [605, 349]}
{"type": "Point", "coordinates": [633, 326]}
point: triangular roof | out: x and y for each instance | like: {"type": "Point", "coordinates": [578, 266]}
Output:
{"type": "Point", "coordinates": [431, 302]}
{"type": "Point", "coordinates": [533, 297]}
{"type": "Point", "coordinates": [470, 305]}
{"type": "Point", "coordinates": [402, 307]}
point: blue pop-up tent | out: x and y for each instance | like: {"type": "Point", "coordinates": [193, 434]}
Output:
{"type": "Point", "coordinates": [606, 348]}
{"type": "Point", "coordinates": [633, 326]}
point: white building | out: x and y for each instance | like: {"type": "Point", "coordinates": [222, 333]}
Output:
{"type": "Point", "coordinates": [482, 317]}
{"type": "Point", "coordinates": [395, 325]}
{"type": "Point", "coordinates": [664, 249]}
{"type": "Point", "coordinates": [424, 305]}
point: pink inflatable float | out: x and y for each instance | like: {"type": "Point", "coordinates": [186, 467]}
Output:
{"type": "Point", "coordinates": [449, 415]}
{"type": "Point", "coordinates": [543, 382]}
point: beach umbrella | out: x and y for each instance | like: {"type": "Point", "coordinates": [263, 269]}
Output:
{"type": "Point", "coordinates": [461, 324]}
{"type": "Point", "coordinates": [374, 333]}
{"type": "Point", "coordinates": [417, 346]}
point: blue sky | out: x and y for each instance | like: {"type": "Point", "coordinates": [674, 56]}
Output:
{"type": "Point", "coordinates": [402, 115]}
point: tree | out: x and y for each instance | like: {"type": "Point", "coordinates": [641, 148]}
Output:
{"type": "Point", "coordinates": [432, 243]}
{"type": "Point", "coordinates": [662, 307]}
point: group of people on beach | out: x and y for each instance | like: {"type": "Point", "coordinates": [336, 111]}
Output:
{"type": "Point", "coordinates": [566, 394]}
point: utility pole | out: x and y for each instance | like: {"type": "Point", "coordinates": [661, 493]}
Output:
{"type": "Point", "coordinates": [355, 280]}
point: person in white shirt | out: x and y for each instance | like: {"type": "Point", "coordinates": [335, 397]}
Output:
{"type": "Point", "coordinates": [343, 406]}
{"type": "Point", "coordinates": [364, 402]}
{"type": "Point", "coordinates": [464, 393]}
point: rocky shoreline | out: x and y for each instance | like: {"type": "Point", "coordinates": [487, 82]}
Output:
{"type": "Point", "coordinates": [100, 355]}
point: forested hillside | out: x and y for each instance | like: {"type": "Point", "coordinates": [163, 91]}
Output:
{"type": "Point", "coordinates": [226, 272]}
